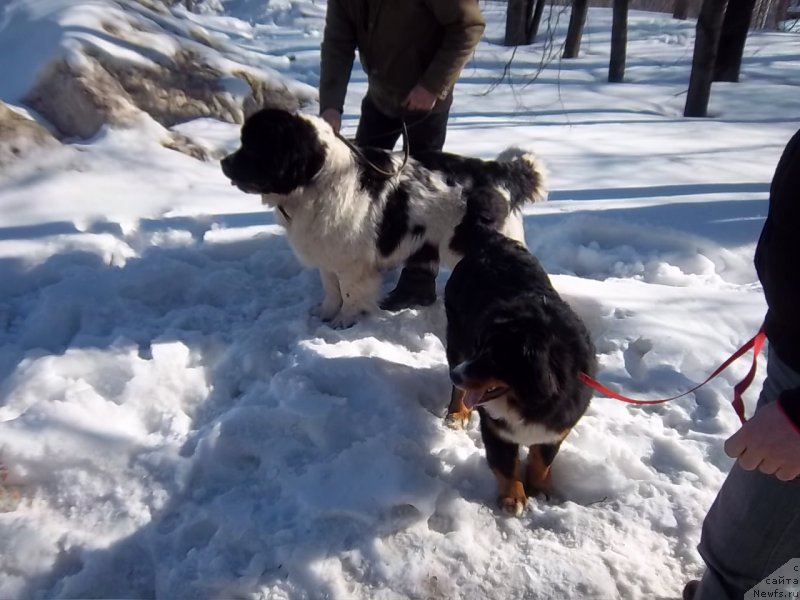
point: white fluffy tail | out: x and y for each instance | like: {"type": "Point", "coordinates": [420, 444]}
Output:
{"type": "Point", "coordinates": [534, 167]}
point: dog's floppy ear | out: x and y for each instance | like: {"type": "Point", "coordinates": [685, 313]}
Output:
{"type": "Point", "coordinates": [544, 367]}
{"type": "Point", "coordinates": [288, 146]}
{"type": "Point", "coordinates": [486, 207]}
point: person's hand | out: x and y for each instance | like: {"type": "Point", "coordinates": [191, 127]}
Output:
{"type": "Point", "coordinates": [333, 117]}
{"type": "Point", "coordinates": [767, 442]}
{"type": "Point", "coordinates": [419, 99]}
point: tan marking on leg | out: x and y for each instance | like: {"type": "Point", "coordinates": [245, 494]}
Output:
{"type": "Point", "coordinates": [510, 492]}
{"type": "Point", "coordinates": [457, 414]}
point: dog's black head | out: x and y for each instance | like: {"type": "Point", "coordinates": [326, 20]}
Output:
{"type": "Point", "coordinates": [280, 152]}
{"type": "Point", "coordinates": [485, 211]}
{"type": "Point", "coordinates": [507, 361]}
{"type": "Point", "coordinates": [532, 364]}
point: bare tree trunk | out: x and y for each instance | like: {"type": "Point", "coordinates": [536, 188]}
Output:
{"type": "Point", "coordinates": [577, 20]}
{"type": "Point", "coordinates": [533, 29]}
{"type": "Point", "coordinates": [732, 39]}
{"type": "Point", "coordinates": [518, 19]}
{"type": "Point", "coordinates": [780, 12]}
{"type": "Point", "coordinates": [619, 41]}
{"type": "Point", "coordinates": [709, 25]}
{"type": "Point", "coordinates": [680, 10]}
{"type": "Point", "coordinates": [762, 10]}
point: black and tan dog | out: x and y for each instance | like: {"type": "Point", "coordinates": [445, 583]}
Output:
{"type": "Point", "coordinates": [514, 348]}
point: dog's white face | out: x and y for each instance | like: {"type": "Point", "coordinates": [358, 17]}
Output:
{"type": "Point", "coordinates": [350, 220]}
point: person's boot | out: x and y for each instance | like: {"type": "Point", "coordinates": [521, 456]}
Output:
{"type": "Point", "coordinates": [416, 287]}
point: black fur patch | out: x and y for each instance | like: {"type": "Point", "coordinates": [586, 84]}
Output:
{"type": "Point", "coordinates": [548, 452]}
{"type": "Point", "coordinates": [426, 255]}
{"type": "Point", "coordinates": [486, 207]}
{"type": "Point", "coordinates": [370, 179]}
{"type": "Point", "coordinates": [280, 152]}
{"type": "Point", "coordinates": [394, 225]}
{"type": "Point", "coordinates": [503, 456]}
{"type": "Point", "coordinates": [515, 176]}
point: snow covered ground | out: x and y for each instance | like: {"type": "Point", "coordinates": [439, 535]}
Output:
{"type": "Point", "coordinates": [178, 426]}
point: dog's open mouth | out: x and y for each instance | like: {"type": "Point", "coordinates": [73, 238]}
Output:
{"type": "Point", "coordinates": [476, 397]}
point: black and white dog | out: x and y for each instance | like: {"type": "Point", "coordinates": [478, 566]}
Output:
{"type": "Point", "coordinates": [354, 212]}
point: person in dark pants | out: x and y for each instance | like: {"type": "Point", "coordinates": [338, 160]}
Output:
{"type": "Point", "coordinates": [753, 527]}
{"type": "Point", "coordinates": [426, 130]}
{"type": "Point", "coordinates": [413, 52]}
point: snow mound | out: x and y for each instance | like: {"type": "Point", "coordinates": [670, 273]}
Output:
{"type": "Point", "coordinates": [87, 64]}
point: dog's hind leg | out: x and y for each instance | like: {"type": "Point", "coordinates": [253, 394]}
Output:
{"type": "Point", "coordinates": [333, 297]}
{"type": "Point", "coordinates": [503, 458]}
{"type": "Point", "coordinates": [540, 458]}
{"type": "Point", "coordinates": [417, 283]}
{"type": "Point", "coordinates": [359, 297]}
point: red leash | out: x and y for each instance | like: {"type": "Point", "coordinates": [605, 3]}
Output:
{"type": "Point", "coordinates": [755, 343]}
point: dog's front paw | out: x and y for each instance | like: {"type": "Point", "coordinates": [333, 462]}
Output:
{"type": "Point", "coordinates": [324, 311]}
{"type": "Point", "coordinates": [340, 322]}
{"type": "Point", "coordinates": [511, 497]}
{"type": "Point", "coordinates": [459, 419]}
{"type": "Point", "coordinates": [513, 505]}
{"type": "Point", "coordinates": [343, 320]}
{"type": "Point", "coordinates": [347, 318]}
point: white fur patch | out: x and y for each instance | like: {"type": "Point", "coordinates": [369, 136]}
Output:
{"type": "Point", "coordinates": [518, 431]}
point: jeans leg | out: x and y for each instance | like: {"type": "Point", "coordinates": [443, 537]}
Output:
{"type": "Point", "coordinates": [753, 527]}
{"type": "Point", "coordinates": [375, 129]}
{"type": "Point", "coordinates": [428, 131]}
